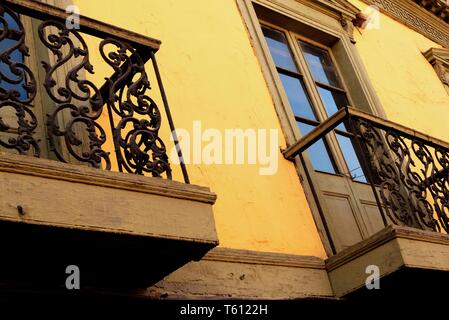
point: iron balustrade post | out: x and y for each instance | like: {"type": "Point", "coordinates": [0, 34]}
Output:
{"type": "Point", "coordinates": [170, 119]}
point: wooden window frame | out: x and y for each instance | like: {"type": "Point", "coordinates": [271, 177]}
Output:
{"type": "Point", "coordinates": [333, 25]}
{"type": "Point", "coordinates": [311, 86]}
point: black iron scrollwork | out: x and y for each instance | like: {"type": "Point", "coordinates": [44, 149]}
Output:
{"type": "Point", "coordinates": [17, 88]}
{"type": "Point", "coordinates": [139, 148]}
{"type": "Point", "coordinates": [74, 96]}
{"type": "Point", "coordinates": [74, 128]}
{"type": "Point", "coordinates": [412, 175]}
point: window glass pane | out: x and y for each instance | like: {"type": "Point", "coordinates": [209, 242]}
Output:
{"type": "Point", "coordinates": [352, 161]}
{"type": "Point", "coordinates": [5, 70]}
{"type": "Point", "coordinates": [333, 101]}
{"type": "Point", "coordinates": [320, 64]}
{"type": "Point", "coordinates": [279, 49]}
{"type": "Point", "coordinates": [318, 152]}
{"type": "Point", "coordinates": [299, 101]}
{"type": "Point", "coordinates": [12, 24]}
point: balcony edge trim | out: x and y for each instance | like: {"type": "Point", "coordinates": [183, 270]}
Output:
{"type": "Point", "coordinates": [82, 174]}
{"type": "Point", "coordinates": [59, 225]}
{"type": "Point", "coordinates": [88, 25]}
{"type": "Point", "coordinates": [382, 237]}
{"type": "Point", "coordinates": [225, 254]}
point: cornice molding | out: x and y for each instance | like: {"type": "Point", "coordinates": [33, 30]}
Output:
{"type": "Point", "coordinates": [437, 7]}
{"type": "Point", "coordinates": [333, 8]}
{"type": "Point", "coordinates": [439, 59]}
{"type": "Point", "coordinates": [348, 14]}
{"type": "Point", "coordinates": [264, 258]}
{"type": "Point", "coordinates": [340, 6]}
{"type": "Point", "coordinates": [416, 17]}
{"type": "Point", "coordinates": [437, 55]}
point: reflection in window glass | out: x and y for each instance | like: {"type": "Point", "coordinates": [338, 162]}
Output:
{"type": "Point", "coordinates": [325, 75]}
{"type": "Point", "coordinates": [333, 101]}
{"type": "Point", "coordinates": [352, 161]}
{"type": "Point", "coordinates": [320, 65]}
{"type": "Point", "coordinates": [12, 24]}
{"type": "Point", "coordinates": [299, 102]}
{"type": "Point", "coordinates": [279, 49]}
{"type": "Point", "coordinates": [318, 152]}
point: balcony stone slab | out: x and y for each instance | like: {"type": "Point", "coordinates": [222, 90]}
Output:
{"type": "Point", "coordinates": [401, 254]}
{"type": "Point", "coordinates": [130, 221]}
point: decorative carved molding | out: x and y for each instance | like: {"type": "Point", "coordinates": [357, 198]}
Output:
{"type": "Point", "coordinates": [344, 6]}
{"type": "Point", "coordinates": [415, 17]}
{"type": "Point", "coordinates": [264, 258]}
{"type": "Point", "coordinates": [350, 15]}
{"type": "Point", "coordinates": [348, 27]}
{"type": "Point", "coordinates": [439, 59]}
{"type": "Point", "coordinates": [439, 8]}
{"type": "Point", "coordinates": [341, 10]}
{"type": "Point", "coordinates": [335, 7]}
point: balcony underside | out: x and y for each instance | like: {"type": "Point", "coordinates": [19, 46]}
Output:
{"type": "Point", "coordinates": [36, 257]}
{"type": "Point", "coordinates": [121, 230]}
{"type": "Point", "coordinates": [406, 283]}
{"type": "Point", "coordinates": [409, 260]}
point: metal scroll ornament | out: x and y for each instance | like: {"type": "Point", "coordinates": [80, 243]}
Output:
{"type": "Point", "coordinates": [78, 102]}
{"type": "Point", "coordinates": [411, 177]}
{"type": "Point", "coordinates": [134, 117]}
{"type": "Point", "coordinates": [17, 89]}
{"type": "Point", "coordinates": [139, 148]}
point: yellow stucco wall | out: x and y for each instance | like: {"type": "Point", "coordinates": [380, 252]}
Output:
{"type": "Point", "coordinates": [212, 74]}
{"type": "Point", "coordinates": [407, 85]}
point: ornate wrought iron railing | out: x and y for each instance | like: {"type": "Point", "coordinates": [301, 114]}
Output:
{"type": "Point", "coordinates": [407, 170]}
{"type": "Point", "coordinates": [122, 100]}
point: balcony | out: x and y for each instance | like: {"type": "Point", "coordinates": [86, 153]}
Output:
{"type": "Point", "coordinates": [407, 173]}
{"type": "Point", "coordinates": [85, 175]}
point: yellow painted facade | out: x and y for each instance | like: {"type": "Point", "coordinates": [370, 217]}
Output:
{"type": "Point", "coordinates": [408, 87]}
{"type": "Point", "coordinates": [211, 73]}
{"type": "Point", "coordinates": [144, 237]}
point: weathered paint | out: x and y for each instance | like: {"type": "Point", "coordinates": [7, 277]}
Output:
{"type": "Point", "coordinates": [212, 74]}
